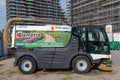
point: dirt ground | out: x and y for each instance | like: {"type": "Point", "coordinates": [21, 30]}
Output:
{"type": "Point", "coordinates": [9, 72]}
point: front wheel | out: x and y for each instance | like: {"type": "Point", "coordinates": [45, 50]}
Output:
{"type": "Point", "coordinates": [81, 64]}
{"type": "Point", "coordinates": [27, 65]}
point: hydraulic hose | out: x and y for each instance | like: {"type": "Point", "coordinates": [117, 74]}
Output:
{"type": "Point", "coordinates": [12, 20]}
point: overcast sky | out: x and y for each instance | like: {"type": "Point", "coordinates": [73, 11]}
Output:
{"type": "Point", "coordinates": [3, 12]}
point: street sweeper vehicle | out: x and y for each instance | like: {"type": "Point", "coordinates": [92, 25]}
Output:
{"type": "Point", "coordinates": [53, 46]}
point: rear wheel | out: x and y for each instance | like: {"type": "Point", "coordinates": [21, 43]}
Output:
{"type": "Point", "coordinates": [27, 65]}
{"type": "Point", "coordinates": [81, 64]}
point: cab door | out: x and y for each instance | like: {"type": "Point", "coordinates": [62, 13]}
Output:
{"type": "Point", "coordinates": [97, 41]}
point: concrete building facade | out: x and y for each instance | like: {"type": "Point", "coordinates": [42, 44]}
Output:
{"type": "Point", "coordinates": [96, 12]}
{"type": "Point", "coordinates": [68, 11]}
{"type": "Point", "coordinates": [34, 9]}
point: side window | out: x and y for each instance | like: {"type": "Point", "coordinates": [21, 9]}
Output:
{"type": "Point", "coordinates": [80, 32]}
{"type": "Point", "coordinates": [82, 38]}
{"type": "Point", "coordinates": [95, 35]}
{"type": "Point", "coordinates": [75, 31]}
{"type": "Point", "coordinates": [92, 35]}
{"type": "Point", "coordinates": [102, 38]}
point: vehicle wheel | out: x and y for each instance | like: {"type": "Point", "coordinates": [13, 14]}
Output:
{"type": "Point", "coordinates": [81, 64]}
{"type": "Point", "coordinates": [27, 65]}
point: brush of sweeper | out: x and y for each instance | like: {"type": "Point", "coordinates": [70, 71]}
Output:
{"type": "Point", "coordinates": [104, 67]}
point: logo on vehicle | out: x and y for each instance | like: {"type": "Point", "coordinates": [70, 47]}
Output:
{"type": "Point", "coordinates": [52, 28]}
{"type": "Point", "coordinates": [28, 35]}
{"type": "Point", "coordinates": [18, 35]}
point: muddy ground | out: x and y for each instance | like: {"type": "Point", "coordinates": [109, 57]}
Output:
{"type": "Point", "coordinates": [9, 72]}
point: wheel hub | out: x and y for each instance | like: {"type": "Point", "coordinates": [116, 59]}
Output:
{"type": "Point", "coordinates": [27, 65]}
{"type": "Point", "coordinates": [81, 65]}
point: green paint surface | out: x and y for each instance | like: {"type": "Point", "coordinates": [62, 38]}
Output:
{"type": "Point", "coordinates": [39, 44]}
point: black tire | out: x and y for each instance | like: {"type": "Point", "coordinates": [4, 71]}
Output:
{"type": "Point", "coordinates": [27, 65]}
{"type": "Point", "coordinates": [81, 64]}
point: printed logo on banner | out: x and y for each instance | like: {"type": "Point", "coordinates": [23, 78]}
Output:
{"type": "Point", "coordinates": [52, 28]}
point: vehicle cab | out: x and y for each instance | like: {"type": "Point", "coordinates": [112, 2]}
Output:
{"type": "Point", "coordinates": [93, 40]}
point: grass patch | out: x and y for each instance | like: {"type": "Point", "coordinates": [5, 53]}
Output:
{"type": "Point", "coordinates": [42, 37]}
{"type": "Point", "coordinates": [60, 36]}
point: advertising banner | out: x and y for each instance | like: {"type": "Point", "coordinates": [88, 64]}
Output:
{"type": "Point", "coordinates": [42, 36]}
{"type": "Point", "coordinates": [117, 37]}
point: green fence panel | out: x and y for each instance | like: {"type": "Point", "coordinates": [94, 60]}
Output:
{"type": "Point", "coordinates": [114, 45]}
{"type": "Point", "coordinates": [118, 45]}
{"type": "Point", "coordinates": [111, 45]}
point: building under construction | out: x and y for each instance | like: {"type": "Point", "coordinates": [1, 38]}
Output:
{"type": "Point", "coordinates": [48, 9]}
{"type": "Point", "coordinates": [96, 12]}
{"type": "Point", "coordinates": [68, 13]}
